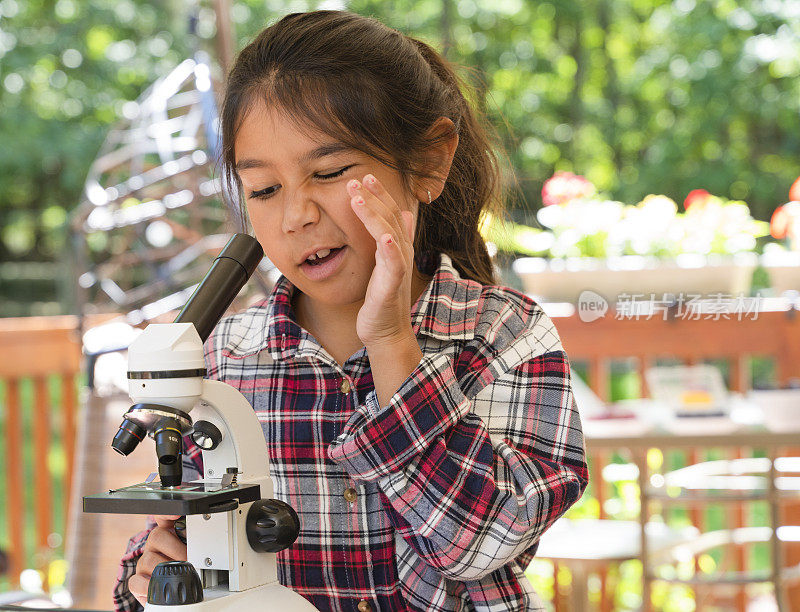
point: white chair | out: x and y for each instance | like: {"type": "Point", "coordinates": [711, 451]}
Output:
{"type": "Point", "coordinates": [586, 546]}
{"type": "Point", "coordinates": [729, 482]}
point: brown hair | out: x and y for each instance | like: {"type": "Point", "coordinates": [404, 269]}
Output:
{"type": "Point", "coordinates": [379, 92]}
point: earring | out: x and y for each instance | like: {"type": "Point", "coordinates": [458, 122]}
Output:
{"type": "Point", "coordinates": [429, 195]}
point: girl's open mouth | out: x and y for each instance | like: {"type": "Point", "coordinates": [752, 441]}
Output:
{"type": "Point", "coordinates": [323, 267]}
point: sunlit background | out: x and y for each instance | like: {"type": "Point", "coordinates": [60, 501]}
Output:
{"type": "Point", "coordinates": [640, 97]}
{"type": "Point", "coordinates": [633, 131]}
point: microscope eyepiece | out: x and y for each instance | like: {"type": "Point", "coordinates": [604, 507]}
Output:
{"type": "Point", "coordinates": [221, 284]}
{"type": "Point", "coordinates": [128, 437]}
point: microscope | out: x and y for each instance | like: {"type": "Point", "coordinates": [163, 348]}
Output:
{"type": "Point", "coordinates": [233, 526]}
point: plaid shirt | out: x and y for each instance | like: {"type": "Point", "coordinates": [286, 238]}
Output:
{"type": "Point", "coordinates": [436, 501]}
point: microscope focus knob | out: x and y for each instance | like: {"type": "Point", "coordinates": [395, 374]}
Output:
{"type": "Point", "coordinates": [174, 583]}
{"type": "Point", "coordinates": [272, 525]}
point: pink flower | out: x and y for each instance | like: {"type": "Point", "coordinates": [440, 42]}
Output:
{"type": "Point", "coordinates": [565, 186]}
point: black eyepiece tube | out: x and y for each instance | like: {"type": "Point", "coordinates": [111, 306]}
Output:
{"type": "Point", "coordinates": [230, 271]}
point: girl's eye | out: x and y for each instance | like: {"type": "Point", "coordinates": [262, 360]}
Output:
{"type": "Point", "coordinates": [264, 194]}
{"type": "Point", "coordinates": [336, 174]}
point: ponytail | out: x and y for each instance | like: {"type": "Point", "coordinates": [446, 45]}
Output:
{"type": "Point", "coordinates": [451, 223]}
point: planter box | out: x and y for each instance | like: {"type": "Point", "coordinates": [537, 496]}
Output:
{"type": "Point", "coordinates": [783, 270]}
{"type": "Point", "coordinates": [563, 280]}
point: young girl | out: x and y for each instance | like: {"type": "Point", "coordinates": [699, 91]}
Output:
{"type": "Point", "coordinates": [419, 417]}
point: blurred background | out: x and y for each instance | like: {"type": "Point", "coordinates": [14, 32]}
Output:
{"type": "Point", "coordinates": [652, 149]}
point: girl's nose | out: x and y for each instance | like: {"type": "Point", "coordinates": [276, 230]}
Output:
{"type": "Point", "coordinates": [300, 209]}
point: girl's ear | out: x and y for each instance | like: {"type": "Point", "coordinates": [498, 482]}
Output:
{"type": "Point", "coordinates": [438, 159]}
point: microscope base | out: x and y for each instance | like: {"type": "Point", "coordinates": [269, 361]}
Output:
{"type": "Point", "coordinates": [267, 597]}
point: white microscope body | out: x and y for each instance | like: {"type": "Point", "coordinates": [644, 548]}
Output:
{"type": "Point", "coordinates": [217, 542]}
{"type": "Point", "coordinates": [233, 526]}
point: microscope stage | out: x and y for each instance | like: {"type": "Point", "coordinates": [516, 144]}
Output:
{"type": "Point", "coordinates": [201, 497]}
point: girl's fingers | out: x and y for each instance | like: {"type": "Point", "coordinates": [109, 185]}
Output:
{"type": "Point", "coordinates": [166, 520]}
{"type": "Point", "coordinates": [376, 225]}
{"type": "Point", "coordinates": [392, 256]}
{"type": "Point", "coordinates": [137, 585]}
{"type": "Point", "coordinates": [374, 213]}
{"type": "Point", "coordinates": [162, 545]}
{"type": "Point", "coordinates": [164, 541]}
{"type": "Point", "coordinates": [408, 218]}
{"type": "Point", "coordinates": [148, 561]}
{"type": "Point", "coordinates": [373, 186]}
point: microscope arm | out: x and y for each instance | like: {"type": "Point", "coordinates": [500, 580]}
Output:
{"type": "Point", "coordinates": [219, 541]}
{"type": "Point", "coordinates": [243, 445]}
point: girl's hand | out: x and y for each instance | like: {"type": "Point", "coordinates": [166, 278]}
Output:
{"type": "Point", "coordinates": [162, 545]}
{"type": "Point", "coordinates": [385, 317]}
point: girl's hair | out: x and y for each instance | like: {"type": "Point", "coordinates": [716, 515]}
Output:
{"type": "Point", "coordinates": [377, 91]}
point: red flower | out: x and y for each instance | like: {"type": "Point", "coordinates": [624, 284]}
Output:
{"type": "Point", "coordinates": [696, 196]}
{"type": "Point", "coordinates": [794, 191]}
{"type": "Point", "coordinates": [781, 225]}
{"type": "Point", "coordinates": [565, 186]}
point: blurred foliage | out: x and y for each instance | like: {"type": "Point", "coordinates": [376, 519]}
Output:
{"type": "Point", "coordinates": [639, 96]}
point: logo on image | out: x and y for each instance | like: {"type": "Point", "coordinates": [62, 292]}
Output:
{"type": "Point", "coordinates": [591, 306]}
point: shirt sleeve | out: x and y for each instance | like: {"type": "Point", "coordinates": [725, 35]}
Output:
{"type": "Point", "coordinates": [124, 601]}
{"type": "Point", "coordinates": [191, 460]}
{"type": "Point", "coordinates": [474, 471]}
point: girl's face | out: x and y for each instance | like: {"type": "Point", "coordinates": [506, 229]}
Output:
{"type": "Point", "coordinates": [295, 189]}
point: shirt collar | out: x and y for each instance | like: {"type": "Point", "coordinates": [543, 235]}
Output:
{"type": "Point", "coordinates": [446, 310]}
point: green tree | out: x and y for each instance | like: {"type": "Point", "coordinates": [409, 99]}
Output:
{"type": "Point", "coordinates": [640, 96]}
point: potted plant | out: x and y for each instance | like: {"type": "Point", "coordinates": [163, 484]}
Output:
{"type": "Point", "coordinates": [618, 250]}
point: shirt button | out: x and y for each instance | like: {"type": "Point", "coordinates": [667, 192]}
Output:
{"type": "Point", "coordinates": [350, 495]}
{"type": "Point", "coordinates": [363, 606]}
{"type": "Point", "coordinates": [345, 386]}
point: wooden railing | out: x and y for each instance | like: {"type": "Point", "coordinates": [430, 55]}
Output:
{"type": "Point", "coordinates": [736, 339]}
{"type": "Point", "coordinates": [38, 353]}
